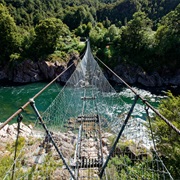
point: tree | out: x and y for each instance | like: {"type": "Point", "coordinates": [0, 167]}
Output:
{"type": "Point", "coordinates": [168, 39]}
{"type": "Point", "coordinates": [168, 141]}
{"type": "Point", "coordinates": [47, 33]}
{"type": "Point", "coordinates": [83, 30]}
{"type": "Point", "coordinates": [75, 16]}
{"type": "Point", "coordinates": [113, 33]}
{"type": "Point", "coordinates": [136, 38]}
{"type": "Point", "coordinates": [97, 35]}
{"type": "Point", "coordinates": [9, 38]}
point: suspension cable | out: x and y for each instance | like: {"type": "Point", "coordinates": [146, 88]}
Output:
{"type": "Point", "coordinates": [35, 96]}
{"type": "Point", "coordinates": [144, 101]}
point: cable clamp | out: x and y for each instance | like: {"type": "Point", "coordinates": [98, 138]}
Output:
{"type": "Point", "coordinates": [19, 118]}
{"type": "Point", "coordinates": [22, 109]}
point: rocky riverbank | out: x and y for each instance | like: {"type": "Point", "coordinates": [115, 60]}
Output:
{"type": "Point", "coordinates": [29, 71]}
{"type": "Point", "coordinates": [39, 157]}
{"type": "Point", "coordinates": [39, 150]}
{"type": "Point", "coordinates": [136, 75]}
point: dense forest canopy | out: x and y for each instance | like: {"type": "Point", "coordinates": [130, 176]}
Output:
{"type": "Point", "coordinates": [30, 12]}
{"type": "Point", "coordinates": [143, 32]}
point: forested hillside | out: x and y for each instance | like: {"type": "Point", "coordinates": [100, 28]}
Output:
{"type": "Point", "coordinates": [30, 12]}
{"type": "Point", "coordinates": [142, 32]}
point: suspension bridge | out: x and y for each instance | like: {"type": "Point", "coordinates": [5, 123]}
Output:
{"type": "Point", "coordinates": [86, 137]}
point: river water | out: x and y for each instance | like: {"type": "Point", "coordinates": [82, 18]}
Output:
{"type": "Point", "coordinates": [13, 97]}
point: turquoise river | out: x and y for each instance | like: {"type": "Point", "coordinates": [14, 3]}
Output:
{"type": "Point", "coordinates": [13, 97]}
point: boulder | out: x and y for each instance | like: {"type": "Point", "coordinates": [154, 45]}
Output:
{"type": "Point", "coordinates": [127, 73]}
{"type": "Point", "coordinates": [47, 69]}
{"type": "Point", "coordinates": [106, 135]}
{"type": "Point", "coordinates": [105, 151]}
{"type": "Point", "coordinates": [9, 132]}
{"type": "Point", "coordinates": [3, 75]}
{"type": "Point", "coordinates": [136, 75]}
{"type": "Point", "coordinates": [27, 71]}
{"type": "Point", "coordinates": [175, 80]}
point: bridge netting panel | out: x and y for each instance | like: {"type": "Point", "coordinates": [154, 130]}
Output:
{"type": "Point", "coordinates": [84, 121]}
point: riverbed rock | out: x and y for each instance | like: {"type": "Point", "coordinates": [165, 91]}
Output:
{"type": "Point", "coordinates": [30, 71]}
{"type": "Point", "coordinates": [127, 73]}
{"type": "Point", "coordinates": [153, 80]}
{"type": "Point", "coordinates": [27, 71]}
{"type": "Point", "coordinates": [9, 132]}
{"type": "Point", "coordinates": [136, 75]}
{"type": "Point", "coordinates": [3, 74]}
{"type": "Point", "coordinates": [175, 79]}
{"type": "Point", "coordinates": [50, 70]}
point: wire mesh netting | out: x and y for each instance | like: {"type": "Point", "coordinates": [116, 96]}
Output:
{"type": "Point", "coordinates": [84, 121]}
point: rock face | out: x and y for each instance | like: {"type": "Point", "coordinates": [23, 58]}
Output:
{"type": "Point", "coordinates": [29, 71]}
{"type": "Point", "coordinates": [3, 74]}
{"type": "Point", "coordinates": [50, 70]}
{"type": "Point", "coordinates": [136, 75]}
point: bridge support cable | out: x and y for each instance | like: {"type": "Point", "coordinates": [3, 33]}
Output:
{"type": "Point", "coordinates": [154, 145]}
{"type": "Point", "coordinates": [35, 96]}
{"type": "Point", "coordinates": [118, 137]}
{"type": "Point", "coordinates": [144, 101]}
{"type": "Point", "coordinates": [19, 119]}
{"type": "Point", "coordinates": [32, 103]}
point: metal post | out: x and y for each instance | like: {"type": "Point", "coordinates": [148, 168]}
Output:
{"type": "Point", "coordinates": [19, 119]}
{"type": "Point", "coordinates": [119, 135]}
{"type": "Point", "coordinates": [32, 103]}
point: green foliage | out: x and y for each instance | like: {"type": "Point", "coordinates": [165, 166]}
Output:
{"type": "Point", "coordinates": [97, 35]}
{"type": "Point", "coordinates": [75, 16]}
{"type": "Point", "coordinates": [136, 41]}
{"type": "Point", "coordinates": [47, 35]}
{"type": "Point", "coordinates": [119, 11]}
{"type": "Point", "coordinates": [168, 141]}
{"type": "Point", "coordinates": [75, 12]}
{"type": "Point", "coordinates": [168, 39]}
{"type": "Point", "coordinates": [83, 30]}
{"type": "Point", "coordinates": [10, 41]}
{"type": "Point", "coordinates": [122, 168]}
{"type": "Point", "coordinates": [118, 29]}
{"type": "Point", "coordinates": [46, 170]}
{"type": "Point", "coordinates": [7, 160]}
